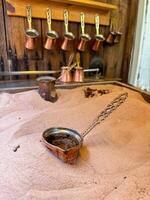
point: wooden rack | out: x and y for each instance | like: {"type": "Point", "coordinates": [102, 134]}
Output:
{"type": "Point", "coordinates": [89, 7]}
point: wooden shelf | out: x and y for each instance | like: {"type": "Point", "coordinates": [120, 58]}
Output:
{"type": "Point", "coordinates": [89, 7]}
{"type": "Point", "coordinates": [89, 3]}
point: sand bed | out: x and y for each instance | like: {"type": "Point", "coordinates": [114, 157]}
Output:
{"type": "Point", "coordinates": [114, 163]}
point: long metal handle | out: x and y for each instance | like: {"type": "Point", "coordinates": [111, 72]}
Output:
{"type": "Point", "coordinates": [82, 18]}
{"type": "Point", "coordinates": [70, 59]}
{"type": "Point", "coordinates": [97, 22]}
{"type": "Point", "coordinates": [111, 25]}
{"type": "Point", "coordinates": [66, 16]}
{"type": "Point", "coordinates": [78, 59]}
{"type": "Point", "coordinates": [91, 70]}
{"type": "Point", "coordinates": [29, 16]}
{"type": "Point", "coordinates": [49, 18]}
{"type": "Point", "coordinates": [72, 66]}
{"type": "Point", "coordinates": [6, 73]}
{"type": "Point", "coordinates": [106, 112]}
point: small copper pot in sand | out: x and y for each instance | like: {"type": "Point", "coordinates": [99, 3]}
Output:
{"type": "Point", "coordinates": [57, 139]}
{"type": "Point", "coordinates": [84, 38]}
{"type": "Point", "coordinates": [65, 143]}
{"type": "Point", "coordinates": [47, 88]}
{"type": "Point", "coordinates": [51, 35]}
{"type": "Point", "coordinates": [98, 38]}
{"type": "Point", "coordinates": [78, 75]}
{"type": "Point", "coordinates": [68, 36]}
{"type": "Point", "coordinates": [31, 34]}
{"type": "Point", "coordinates": [66, 75]}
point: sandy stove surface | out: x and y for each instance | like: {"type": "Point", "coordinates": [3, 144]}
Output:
{"type": "Point", "coordinates": [114, 163]}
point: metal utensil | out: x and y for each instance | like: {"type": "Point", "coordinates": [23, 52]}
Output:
{"type": "Point", "coordinates": [70, 60]}
{"type": "Point", "coordinates": [68, 36]}
{"type": "Point", "coordinates": [30, 32]}
{"type": "Point", "coordinates": [47, 88]}
{"type": "Point", "coordinates": [98, 37]}
{"type": "Point", "coordinates": [51, 34]}
{"type": "Point", "coordinates": [78, 59]}
{"type": "Point", "coordinates": [84, 38]}
{"type": "Point", "coordinates": [65, 143]}
{"type": "Point", "coordinates": [112, 34]}
{"type": "Point", "coordinates": [66, 75]}
{"type": "Point", "coordinates": [79, 73]}
{"type": "Point", "coordinates": [118, 37]}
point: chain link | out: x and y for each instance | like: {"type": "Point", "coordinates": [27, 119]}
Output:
{"type": "Point", "coordinates": [107, 111]}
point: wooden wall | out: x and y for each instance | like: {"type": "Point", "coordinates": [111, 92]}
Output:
{"type": "Point", "coordinates": [16, 57]}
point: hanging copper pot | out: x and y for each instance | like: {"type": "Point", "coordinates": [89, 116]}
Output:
{"type": "Point", "coordinates": [84, 38]}
{"type": "Point", "coordinates": [98, 37]}
{"type": "Point", "coordinates": [112, 35]}
{"type": "Point", "coordinates": [118, 37]}
{"type": "Point", "coordinates": [68, 36]}
{"type": "Point", "coordinates": [31, 34]}
{"type": "Point", "coordinates": [51, 35]}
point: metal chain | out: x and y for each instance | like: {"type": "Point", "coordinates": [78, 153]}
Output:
{"type": "Point", "coordinates": [107, 111]}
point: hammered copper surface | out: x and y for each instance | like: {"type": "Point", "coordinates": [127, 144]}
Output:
{"type": "Point", "coordinates": [47, 88]}
{"type": "Point", "coordinates": [67, 155]}
{"type": "Point", "coordinates": [50, 43]}
{"type": "Point", "coordinates": [111, 37]}
{"type": "Point", "coordinates": [78, 75]}
{"type": "Point", "coordinates": [30, 43]}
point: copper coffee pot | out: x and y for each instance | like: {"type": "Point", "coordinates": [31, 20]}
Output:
{"type": "Point", "coordinates": [112, 35]}
{"type": "Point", "coordinates": [65, 143]}
{"type": "Point", "coordinates": [51, 35]}
{"type": "Point", "coordinates": [47, 88]}
{"type": "Point", "coordinates": [31, 33]}
{"type": "Point", "coordinates": [79, 73]}
{"type": "Point", "coordinates": [66, 75]}
{"type": "Point", "coordinates": [68, 36]}
{"type": "Point", "coordinates": [84, 38]}
{"type": "Point", "coordinates": [118, 37]}
{"type": "Point", "coordinates": [98, 38]}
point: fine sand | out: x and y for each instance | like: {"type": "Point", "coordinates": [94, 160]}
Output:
{"type": "Point", "coordinates": [114, 162]}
